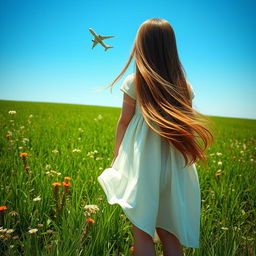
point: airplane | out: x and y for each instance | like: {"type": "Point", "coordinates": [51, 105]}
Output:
{"type": "Point", "coordinates": [99, 39]}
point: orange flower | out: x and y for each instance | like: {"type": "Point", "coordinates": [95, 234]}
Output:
{"type": "Point", "coordinates": [8, 135]}
{"type": "Point", "coordinates": [132, 250]}
{"type": "Point", "coordinates": [217, 173]}
{"type": "Point", "coordinates": [66, 184]}
{"type": "Point", "coordinates": [23, 154]}
{"type": "Point", "coordinates": [67, 179]}
{"type": "Point", "coordinates": [89, 220]}
{"type": "Point", "coordinates": [56, 184]}
{"type": "Point", "coordinates": [3, 208]}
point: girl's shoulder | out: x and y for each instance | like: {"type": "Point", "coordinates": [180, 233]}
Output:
{"type": "Point", "coordinates": [128, 86]}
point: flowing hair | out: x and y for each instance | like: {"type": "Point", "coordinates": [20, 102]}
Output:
{"type": "Point", "coordinates": [164, 95]}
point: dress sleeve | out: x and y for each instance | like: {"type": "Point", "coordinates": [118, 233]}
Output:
{"type": "Point", "coordinates": [192, 93]}
{"type": "Point", "coordinates": [192, 90]}
{"type": "Point", "coordinates": [128, 87]}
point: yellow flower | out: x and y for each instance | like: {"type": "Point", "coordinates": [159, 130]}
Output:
{"type": "Point", "coordinates": [67, 179]}
{"type": "Point", "coordinates": [56, 184]}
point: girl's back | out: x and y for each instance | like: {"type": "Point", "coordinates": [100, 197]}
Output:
{"type": "Point", "coordinates": [153, 176]}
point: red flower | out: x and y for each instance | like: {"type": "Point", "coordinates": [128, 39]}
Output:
{"type": "Point", "coordinates": [89, 220]}
{"type": "Point", "coordinates": [3, 208]}
{"type": "Point", "coordinates": [66, 184]}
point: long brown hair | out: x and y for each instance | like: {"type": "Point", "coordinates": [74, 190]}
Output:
{"type": "Point", "coordinates": [164, 94]}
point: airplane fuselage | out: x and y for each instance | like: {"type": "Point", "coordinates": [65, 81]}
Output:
{"type": "Point", "coordinates": [97, 39]}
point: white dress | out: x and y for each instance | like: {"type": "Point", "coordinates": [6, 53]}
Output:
{"type": "Point", "coordinates": [148, 181]}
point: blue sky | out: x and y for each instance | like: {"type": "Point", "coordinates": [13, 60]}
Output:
{"type": "Point", "coordinates": [46, 55]}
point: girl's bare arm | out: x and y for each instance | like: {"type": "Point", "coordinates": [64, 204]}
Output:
{"type": "Point", "coordinates": [127, 113]}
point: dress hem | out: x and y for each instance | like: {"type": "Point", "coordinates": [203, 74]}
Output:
{"type": "Point", "coordinates": [106, 190]}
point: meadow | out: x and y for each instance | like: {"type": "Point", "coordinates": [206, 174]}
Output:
{"type": "Point", "coordinates": [52, 204]}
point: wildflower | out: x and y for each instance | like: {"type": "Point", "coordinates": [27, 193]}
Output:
{"type": "Point", "coordinates": [13, 213]}
{"type": "Point", "coordinates": [99, 117]}
{"type": "Point", "coordinates": [76, 150]}
{"type": "Point", "coordinates": [224, 228]}
{"type": "Point", "coordinates": [25, 140]}
{"type": "Point", "coordinates": [89, 220]}
{"type": "Point", "coordinates": [3, 208]}
{"type": "Point", "coordinates": [91, 180]}
{"type": "Point", "coordinates": [66, 184]}
{"type": "Point", "coordinates": [40, 225]}
{"type": "Point", "coordinates": [12, 112]}
{"type": "Point", "coordinates": [30, 116]}
{"type": "Point", "coordinates": [56, 194]}
{"type": "Point", "coordinates": [219, 163]}
{"type": "Point", "coordinates": [15, 237]}
{"type": "Point", "coordinates": [2, 214]}
{"type": "Point", "coordinates": [33, 230]}
{"type": "Point", "coordinates": [219, 154]}
{"type": "Point", "coordinates": [132, 250]}
{"type": "Point", "coordinates": [23, 154]}
{"type": "Point", "coordinates": [56, 184]}
{"type": "Point", "coordinates": [9, 231]}
{"type": "Point", "coordinates": [49, 231]}
{"type": "Point", "coordinates": [58, 173]}
{"type": "Point", "coordinates": [36, 199]}
{"type": "Point", "coordinates": [48, 166]}
{"type": "Point", "coordinates": [8, 136]}
{"type": "Point", "coordinates": [67, 179]}
{"type": "Point", "coordinates": [55, 151]}
{"type": "Point", "coordinates": [217, 173]}
{"type": "Point", "coordinates": [3, 230]}
{"type": "Point", "coordinates": [92, 208]}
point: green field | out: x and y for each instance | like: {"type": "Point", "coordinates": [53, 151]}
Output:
{"type": "Point", "coordinates": [77, 141]}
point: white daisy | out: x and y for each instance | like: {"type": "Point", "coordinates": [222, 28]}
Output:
{"type": "Point", "coordinates": [33, 230]}
{"type": "Point", "coordinates": [91, 208]}
{"type": "Point", "coordinates": [36, 199]}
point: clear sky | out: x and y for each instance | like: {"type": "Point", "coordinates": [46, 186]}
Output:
{"type": "Point", "coordinates": [46, 55]}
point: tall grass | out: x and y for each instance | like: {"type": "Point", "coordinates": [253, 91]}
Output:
{"type": "Point", "coordinates": [77, 141]}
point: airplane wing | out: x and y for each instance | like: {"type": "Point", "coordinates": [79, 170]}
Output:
{"type": "Point", "coordinates": [94, 43]}
{"type": "Point", "coordinates": [104, 37]}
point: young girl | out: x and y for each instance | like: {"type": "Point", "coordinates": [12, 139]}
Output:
{"type": "Point", "coordinates": [153, 176]}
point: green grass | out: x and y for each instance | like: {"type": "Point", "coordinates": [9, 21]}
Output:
{"type": "Point", "coordinates": [228, 200]}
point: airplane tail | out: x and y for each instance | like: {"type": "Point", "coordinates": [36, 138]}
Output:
{"type": "Point", "coordinates": [108, 47]}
